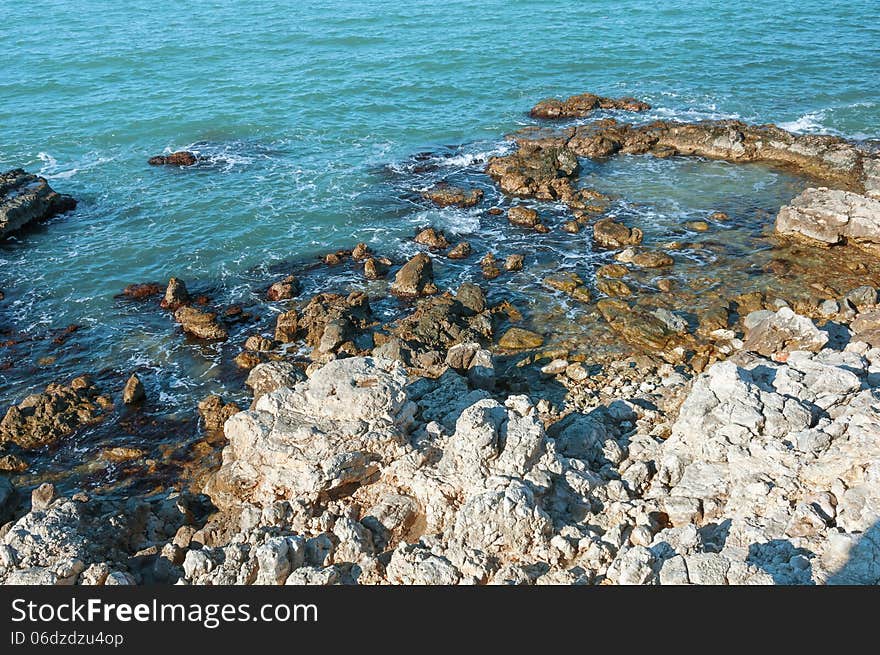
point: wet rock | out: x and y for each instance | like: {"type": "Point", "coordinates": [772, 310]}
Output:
{"type": "Point", "coordinates": [176, 294]}
{"type": "Point", "coordinates": [513, 263]}
{"type": "Point", "coordinates": [375, 269]}
{"type": "Point", "coordinates": [613, 288]}
{"type": "Point", "coordinates": [331, 320]}
{"type": "Point", "coordinates": [572, 227]}
{"type": "Point", "coordinates": [27, 198]}
{"type": "Point", "coordinates": [415, 278]}
{"type": "Point", "coordinates": [608, 233]}
{"type": "Point", "coordinates": [489, 266]}
{"type": "Point", "coordinates": [257, 343]}
{"type": "Point", "coordinates": [526, 217]}
{"type": "Point", "coordinates": [645, 259]}
{"type": "Point", "coordinates": [432, 238]}
{"type": "Point", "coordinates": [12, 464]}
{"type": "Point", "coordinates": [832, 216]}
{"type": "Point", "coordinates": [638, 327]}
{"type": "Point", "coordinates": [215, 412]}
{"type": "Point", "coordinates": [440, 322]}
{"type": "Point", "coordinates": [133, 392]}
{"type": "Point", "coordinates": [287, 288]}
{"type": "Point", "coordinates": [665, 284]}
{"type": "Point", "coordinates": [583, 105]}
{"type": "Point", "coordinates": [612, 271]}
{"type": "Point", "coordinates": [570, 284]}
{"type": "Point", "coordinates": [783, 332]}
{"type": "Point", "coordinates": [59, 411]}
{"type": "Point", "coordinates": [179, 158]}
{"type": "Point", "coordinates": [247, 359]}
{"type": "Point", "coordinates": [719, 216]}
{"type": "Point", "coordinates": [540, 169]}
{"type": "Point", "coordinates": [461, 250]}
{"type": "Point", "coordinates": [697, 226]}
{"type": "Point", "coordinates": [471, 298]}
{"type": "Point", "coordinates": [142, 291]}
{"type": "Point", "coordinates": [361, 252]}
{"type": "Point", "coordinates": [445, 196]}
{"type": "Point", "coordinates": [520, 339]}
{"type": "Point", "coordinates": [286, 326]}
{"type": "Point", "coordinates": [203, 325]}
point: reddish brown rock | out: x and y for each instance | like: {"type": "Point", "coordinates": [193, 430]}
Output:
{"type": "Point", "coordinates": [434, 239]}
{"type": "Point", "coordinates": [203, 325]}
{"type": "Point", "coordinates": [445, 196]}
{"type": "Point", "coordinates": [287, 288]}
{"type": "Point", "coordinates": [180, 158]}
{"type": "Point", "coordinates": [176, 294]}
{"type": "Point", "coordinates": [583, 105]}
{"type": "Point", "coordinates": [142, 291]}
{"type": "Point", "coordinates": [461, 250]}
{"type": "Point", "coordinates": [415, 278]}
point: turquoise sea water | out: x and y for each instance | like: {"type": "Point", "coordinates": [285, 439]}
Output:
{"type": "Point", "coordinates": [311, 113]}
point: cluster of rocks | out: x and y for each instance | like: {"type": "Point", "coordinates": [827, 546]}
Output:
{"type": "Point", "coordinates": [361, 474]}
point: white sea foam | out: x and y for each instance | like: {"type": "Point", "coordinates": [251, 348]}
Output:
{"type": "Point", "coordinates": [810, 122]}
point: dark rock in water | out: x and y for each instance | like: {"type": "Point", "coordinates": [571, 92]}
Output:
{"type": "Point", "coordinates": [440, 322]}
{"type": "Point", "coordinates": [432, 238]}
{"type": "Point", "coordinates": [285, 289]}
{"type": "Point", "coordinates": [471, 297]}
{"type": "Point", "coordinates": [215, 412]}
{"type": "Point", "coordinates": [176, 294]}
{"type": "Point", "coordinates": [203, 325]}
{"type": "Point", "coordinates": [445, 196]}
{"type": "Point", "coordinates": [608, 233]}
{"type": "Point", "coordinates": [44, 418]}
{"type": "Point", "coordinates": [134, 391]}
{"type": "Point", "coordinates": [415, 278]}
{"type": "Point", "coordinates": [614, 288]}
{"type": "Point", "coordinates": [583, 105]}
{"type": "Point", "coordinates": [461, 250]}
{"type": "Point", "coordinates": [26, 198]}
{"type": "Point", "coordinates": [180, 158]}
{"type": "Point", "coordinates": [142, 291]}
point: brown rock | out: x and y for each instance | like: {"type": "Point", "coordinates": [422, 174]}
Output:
{"type": "Point", "coordinates": [247, 359]}
{"type": "Point", "coordinates": [472, 297]}
{"type": "Point", "coordinates": [285, 289]}
{"type": "Point", "coordinates": [489, 266]}
{"type": "Point", "coordinates": [460, 250]}
{"type": "Point", "coordinates": [569, 283]}
{"type": "Point", "coordinates": [176, 294]}
{"type": "Point", "coordinates": [42, 496]}
{"type": "Point", "coordinates": [513, 263]}
{"type": "Point", "coordinates": [142, 291]}
{"type": "Point", "coordinates": [665, 284]}
{"type": "Point", "coordinates": [572, 227]}
{"type": "Point", "coordinates": [613, 288]}
{"type": "Point", "coordinates": [719, 216]}
{"type": "Point", "coordinates": [134, 391]}
{"type": "Point", "coordinates": [612, 271]}
{"type": "Point", "coordinates": [608, 233]}
{"type": "Point", "coordinates": [583, 105]}
{"type": "Point", "coordinates": [215, 413]}
{"type": "Point", "coordinates": [286, 326]}
{"type": "Point", "coordinates": [539, 168]}
{"type": "Point", "coordinates": [59, 411]}
{"type": "Point", "coordinates": [257, 343]}
{"type": "Point", "coordinates": [415, 278]}
{"type": "Point", "coordinates": [360, 252]}
{"type": "Point", "coordinates": [638, 327]}
{"type": "Point", "coordinates": [180, 158]}
{"type": "Point", "coordinates": [519, 339]}
{"type": "Point", "coordinates": [203, 325]}
{"type": "Point", "coordinates": [375, 268]}
{"type": "Point", "coordinates": [444, 196]}
{"type": "Point", "coordinates": [432, 238]}
{"type": "Point", "coordinates": [13, 464]}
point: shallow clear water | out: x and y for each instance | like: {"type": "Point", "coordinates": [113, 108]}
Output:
{"type": "Point", "coordinates": [310, 114]}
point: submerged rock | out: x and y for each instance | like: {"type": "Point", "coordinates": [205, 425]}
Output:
{"type": "Point", "coordinates": [287, 288]}
{"type": "Point", "coordinates": [520, 339]}
{"type": "Point", "coordinates": [26, 198]}
{"type": "Point", "coordinates": [611, 234]}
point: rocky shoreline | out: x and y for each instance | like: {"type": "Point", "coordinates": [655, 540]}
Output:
{"type": "Point", "coordinates": [451, 444]}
